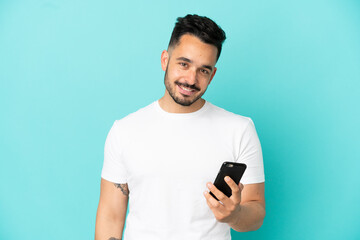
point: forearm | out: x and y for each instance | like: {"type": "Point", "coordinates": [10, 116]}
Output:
{"type": "Point", "coordinates": [249, 218]}
{"type": "Point", "coordinates": [111, 213]}
{"type": "Point", "coordinates": [108, 228]}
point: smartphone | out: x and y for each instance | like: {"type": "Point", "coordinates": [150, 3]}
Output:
{"type": "Point", "coordinates": [232, 169]}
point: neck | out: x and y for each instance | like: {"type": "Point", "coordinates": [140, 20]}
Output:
{"type": "Point", "coordinates": [169, 105]}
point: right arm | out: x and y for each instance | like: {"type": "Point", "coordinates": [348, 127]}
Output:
{"type": "Point", "coordinates": [111, 213]}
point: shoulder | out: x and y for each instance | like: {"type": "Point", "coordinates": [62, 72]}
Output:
{"type": "Point", "coordinates": [138, 117]}
{"type": "Point", "coordinates": [228, 117]}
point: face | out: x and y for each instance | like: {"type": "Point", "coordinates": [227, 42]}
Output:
{"type": "Point", "coordinates": [189, 68]}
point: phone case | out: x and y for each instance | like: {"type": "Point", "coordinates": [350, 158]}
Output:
{"type": "Point", "coordinates": [232, 169]}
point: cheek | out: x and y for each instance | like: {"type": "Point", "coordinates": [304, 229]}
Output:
{"type": "Point", "coordinates": [174, 73]}
{"type": "Point", "coordinates": [205, 82]}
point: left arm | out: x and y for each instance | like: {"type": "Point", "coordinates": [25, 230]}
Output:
{"type": "Point", "coordinates": [244, 210]}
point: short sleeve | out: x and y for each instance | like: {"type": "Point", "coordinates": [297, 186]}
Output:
{"type": "Point", "coordinates": [251, 154]}
{"type": "Point", "coordinates": [113, 167]}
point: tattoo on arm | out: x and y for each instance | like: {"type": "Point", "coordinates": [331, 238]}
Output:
{"type": "Point", "coordinates": [112, 238]}
{"type": "Point", "coordinates": [124, 189]}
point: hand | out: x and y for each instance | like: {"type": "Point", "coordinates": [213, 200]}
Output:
{"type": "Point", "coordinates": [227, 210]}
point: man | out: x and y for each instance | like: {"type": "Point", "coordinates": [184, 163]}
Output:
{"type": "Point", "coordinates": [164, 157]}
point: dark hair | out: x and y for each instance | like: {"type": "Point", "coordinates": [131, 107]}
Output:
{"type": "Point", "coordinates": [202, 27]}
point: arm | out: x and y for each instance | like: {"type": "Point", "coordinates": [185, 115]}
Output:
{"type": "Point", "coordinates": [244, 210]}
{"type": "Point", "coordinates": [110, 217]}
{"type": "Point", "coordinates": [252, 208]}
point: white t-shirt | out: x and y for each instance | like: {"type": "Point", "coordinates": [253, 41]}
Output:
{"type": "Point", "coordinates": [167, 159]}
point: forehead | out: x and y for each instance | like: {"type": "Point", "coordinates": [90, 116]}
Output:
{"type": "Point", "coordinates": [193, 48]}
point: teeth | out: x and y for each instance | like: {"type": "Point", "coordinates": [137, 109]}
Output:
{"type": "Point", "coordinates": [187, 89]}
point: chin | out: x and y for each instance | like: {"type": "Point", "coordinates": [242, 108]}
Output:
{"type": "Point", "coordinates": [186, 102]}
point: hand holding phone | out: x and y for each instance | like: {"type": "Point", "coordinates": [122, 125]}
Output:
{"type": "Point", "coordinates": [232, 169]}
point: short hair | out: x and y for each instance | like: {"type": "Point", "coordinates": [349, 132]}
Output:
{"type": "Point", "coordinates": [202, 27]}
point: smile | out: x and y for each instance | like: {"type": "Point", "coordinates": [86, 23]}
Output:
{"type": "Point", "coordinates": [185, 90]}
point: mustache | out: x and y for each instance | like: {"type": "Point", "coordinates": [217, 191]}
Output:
{"type": "Point", "coordinates": [188, 85]}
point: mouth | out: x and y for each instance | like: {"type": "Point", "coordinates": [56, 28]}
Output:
{"type": "Point", "coordinates": [186, 90]}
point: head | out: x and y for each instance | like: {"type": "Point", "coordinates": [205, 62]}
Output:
{"type": "Point", "coordinates": [189, 62]}
{"type": "Point", "coordinates": [201, 27]}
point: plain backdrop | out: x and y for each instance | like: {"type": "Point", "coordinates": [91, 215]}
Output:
{"type": "Point", "coordinates": [69, 68]}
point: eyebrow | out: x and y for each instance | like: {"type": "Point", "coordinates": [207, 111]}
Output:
{"type": "Point", "coordinates": [190, 61]}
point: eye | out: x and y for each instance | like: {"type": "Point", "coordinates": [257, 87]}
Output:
{"type": "Point", "coordinates": [204, 71]}
{"type": "Point", "coordinates": [183, 64]}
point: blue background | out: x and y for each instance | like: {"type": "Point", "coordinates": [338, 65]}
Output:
{"type": "Point", "coordinates": [69, 68]}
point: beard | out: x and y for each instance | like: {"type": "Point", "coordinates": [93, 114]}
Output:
{"type": "Point", "coordinates": [184, 100]}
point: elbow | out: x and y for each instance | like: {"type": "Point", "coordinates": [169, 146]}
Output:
{"type": "Point", "coordinates": [260, 221]}
{"type": "Point", "coordinates": [256, 226]}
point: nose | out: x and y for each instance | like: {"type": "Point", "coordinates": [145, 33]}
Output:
{"type": "Point", "coordinates": [191, 77]}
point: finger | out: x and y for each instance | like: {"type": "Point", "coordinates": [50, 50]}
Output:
{"type": "Point", "coordinates": [217, 211]}
{"type": "Point", "coordinates": [235, 189]}
{"type": "Point", "coordinates": [221, 196]}
{"type": "Point", "coordinates": [241, 186]}
{"type": "Point", "coordinates": [214, 204]}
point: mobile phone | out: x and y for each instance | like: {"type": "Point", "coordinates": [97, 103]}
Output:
{"type": "Point", "coordinates": [232, 169]}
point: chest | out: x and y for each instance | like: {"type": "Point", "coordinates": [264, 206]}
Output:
{"type": "Point", "coordinates": [177, 153]}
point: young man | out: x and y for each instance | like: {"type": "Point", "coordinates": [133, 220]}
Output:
{"type": "Point", "coordinates": [164, 157]}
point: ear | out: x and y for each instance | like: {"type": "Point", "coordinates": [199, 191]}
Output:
{"type": "Point", "coordinates": [164, 60]}
{"type": "Point", "coordinates": [212, 75]}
